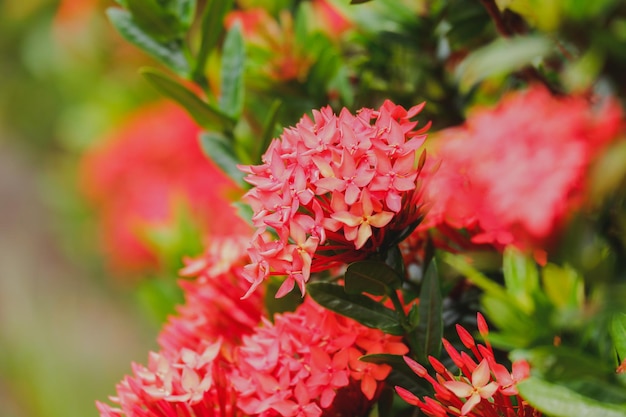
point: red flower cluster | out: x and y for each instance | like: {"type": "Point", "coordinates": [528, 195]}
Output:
{"type": "Point", "coordinates": [333, 189]}
{"type": "Point", "coordinates": [216, 360]}
{"type": "Point", "coordinates": [514, 174]}
{"type": "Point", "coordinates": [213, 294]}
{"type": "Point", "coordinates": [136, 177]}
{"type": "Point", "coordinates": [484, 389]}
{"type": "Point", "coordinates": [307, 364]}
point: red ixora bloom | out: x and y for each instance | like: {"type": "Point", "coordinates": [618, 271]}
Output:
{"type": "Point", "coordinates": [484, 389]}
{"type": "Point", "coordinates": [182, 383]}
{"type": "Point", "coordinates": [332, 190]}
{"type": "Point", "coordinates": [513, 174]}
{"type": "Point", "coordinates": [307, 363]}
{"type": "Point", "coordinates": [135, 178]}
{"type": "Point", "coordinates": [213, 307]}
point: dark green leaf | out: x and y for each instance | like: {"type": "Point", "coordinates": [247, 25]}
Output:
{"type": "Point", "coordinates": [204, 114]}
{"type": "Point", "coordinates": [395, 260]}
{"type": "Point", "coordinates": [154, 19]}
{"type": "Point", "coordinates": [355, 306]}
{"type": "Point", "coordinates": [220, 150]}
{"type": "Point", "coordinates": [429, 330]}
{"type": "Point", "coordinates": [169, 53]}
{"type": "Point", "coordinates": [618, 334]}
{"type": "Point", "coordinates": [359, 1]}
{"type": "Point", "coordinates": [232, 73]}
{"type": "Point", "coordinates": [211, 28]}
{"type": "Point", "coordinates": [559, 401]}
{"type": "Point", "coordinates": [372, 277]}
{"type": "Point", "coordinates": [185, 11]}
{"type": "Point", "coordinates": [268, 128]}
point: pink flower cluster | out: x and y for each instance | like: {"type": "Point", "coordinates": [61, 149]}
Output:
{"type": "Point", "coordinates": [484, 389]}
{"type": "Point", "coordinates": [220, 358]}
{"type": "Point", "coordinates": [307, 364]}
{"type": "Point", "coordinates": [515, 173]}
{"type": "Point", "coordinates": [213, 294]}
{"type": "Point", "coordinates": [331, 190]}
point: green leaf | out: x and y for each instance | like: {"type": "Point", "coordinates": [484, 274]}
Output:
{"type": "Point", "coordinates": [520, 277]}
{"type": "Point", "coordinates": [372, 277]}
{"type": "Point", "coordinates": [204, 114]}
{"type": "Point", "coordinates": [211, 28]}
{"type": "Point", "coordinates": [359, 1]}
{"type": "Point", "coordinates": [618, 334]}
{"type": "Point", "coordinates": [153, 19]}
{"type": "Point", "coordinates": [563, 286]}
{"type": "Point", "coordinates": [232, 73]}
{"type": "Point", "coordinates": [268, 128]}
{"type": "Point", "coordinates": [502, 56]}
{"type": "Point", "coordinates": [185, 11]}
{"type": "Point", "coordinates": [559, 401]}
{"type": "Point", "coordinates": [355, 306]}
{"type": "Point", "coordinates": [429, 330]}
{"type": "Point", "coordinates": [169, 53]}
{"type": "Point", "coordinates": [220, 150]}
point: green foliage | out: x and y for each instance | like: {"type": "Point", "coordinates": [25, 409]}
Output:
{"type": "Point", "coordinates": [203, 113]}
{"type": "Point", "coordinates": [232, 74]}
{"type": "Point", "coordinates": [355, 306]}
{"type": "Point", "coordinates": [428, 322]}
{"type": "Point", "coordinates": [220, 149]}
{"type": "Point", "coordinates": [168, 52]}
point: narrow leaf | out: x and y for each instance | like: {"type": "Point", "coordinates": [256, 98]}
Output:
{"type": "Point", "coordinates": [154, 19]}
{"type": "Point", "coordinates": [211, 29]}
{"type": "Point", "coordinates": [204, 114]}
{"type": "Point", "coordinates": [355, 306]}
{"type": "Point", "coordinates": [185, 11]}
{"type": "Point", "coordinates": [372, 277]}
{"type": "Point", "coordinates": [268, 128]}
{"type": "Point", "coordinates": [232, 73]}
{"type": "Point", "coordinates": [501, 57]}
{"type": "Point", "coordinates": [219, 149]}
{"type": "Point", "coordinates": [520, 277]}
{"type": "Point", "coordinates": [169, 53]}
{"type": "Point", "coordinates": [429, 330]}
{"type": "Point", "coordinates": [618, 334]}
{"type": "Point", "coordinates": [559, 401]}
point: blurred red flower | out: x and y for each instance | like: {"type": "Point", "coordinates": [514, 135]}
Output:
{"type": "Point", "coordinates": [515, 173]}
{"type": "Point", "coordinates": [141, 172]}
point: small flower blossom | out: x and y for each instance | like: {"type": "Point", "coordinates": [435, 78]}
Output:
{"type": "Point", "coordinates": [306, 363]}
{"type": "Point", "coordinates": [331, 190]}
{"type": "Point", "coordinates": [484, 388]}
{"type": "Point", "coordinates": [515, 173]}
{"type": "Point", "coordinates": [185, 382]}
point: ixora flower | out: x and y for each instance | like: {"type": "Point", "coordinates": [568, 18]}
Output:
{"type": "Point", "coordinates": [212, 288]}
{"type": "Point", "coordinates": [332, 190]}
{"type": "Point", "coordinates": [307, 363]}
{"type": "Point", "coordinates": [515, 173]}
{"type": "Point", "coordinates": [485, 387]}
{"type": "Point", "coordinates": [136, 177]}
{"type": "Point", "coordinates": [183, 383]}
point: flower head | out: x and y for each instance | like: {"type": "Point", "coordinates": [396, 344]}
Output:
{"type": "Point", "coordinates": [332, 190]}
{"type": "Point", "coordinates": [515, 173]}
{"type": "Point", "coordinates": [212, 295]}
{"type": "Point", "coordinates": [484, 388]}
{"type": "Point", "coordinates": [306, 363]}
